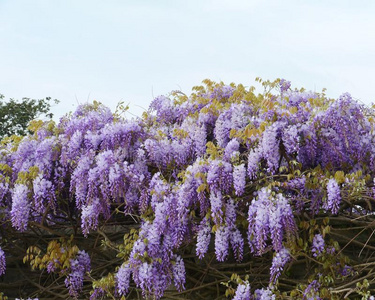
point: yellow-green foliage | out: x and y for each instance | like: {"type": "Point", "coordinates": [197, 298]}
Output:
{"type": "Point", "coordinates": [59, 253]}
{"type": "Point", "coordinates": [127, 246]}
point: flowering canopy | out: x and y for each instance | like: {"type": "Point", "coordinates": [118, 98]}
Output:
{"type": "Point", "coordinates": [224, 186]}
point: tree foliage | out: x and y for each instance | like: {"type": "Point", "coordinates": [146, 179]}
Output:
{"type": "Point", "coordinates": [16, 115]}
{"type": "Point", "coordinates": [223, 194]}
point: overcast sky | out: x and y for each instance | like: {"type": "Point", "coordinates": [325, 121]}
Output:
{"type": "Point", "coordinates": [111, 51]}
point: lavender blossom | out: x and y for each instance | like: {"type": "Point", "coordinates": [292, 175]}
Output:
{"type": "Point", "coordinates": [220, 176]}
{"type": "Point", "coordinates": [79, 266]}
{"type": "Point", "coordinates": [98, 293]}
{"type": "Point", "coordinates": [203, 239]}
{"type": "Point", "coordinates": [284, 85]}
{"type": "Point", "coordinates": [123, 279]}
{"type": "Point", "coordinates": [318, 245]}
{"type": "Point", "coordinates": [230, 214]}
{"type": "Point", "coordinates": [243, 292]}
{"type": "Point", "coordinates": [90, 215]}
{"type": "Point", "coordinates": [20, 207]}
{"type": "Point", "coordinates": [178, 270]}
{"type": "Point", "coordinates": [270, 147]}
{"type": "Point", "coordinates": [222, 129]}
{"type": "Point", "coordinates": [291, 139]}
{"type": "Point", "coordinates": [231, 148]}
{"type": "Point", "coordinates": [216, 202]}
{"type": "Point", "coordinates": [253, 163]}
{"type": "Point", "coordinates": [237, 243]}
{"type": "Point", "coordinates": [200, 140]}
{"type": "Point", "coordinates": [311, 291]}
{"type": "Point", "coordinates": [221, 243]}
{"type": "Point", "coordinates": [278, 263]}
{"type": "Point", "coordinates": [269, 216]}
{"type": "Point", "coordinates": [264, 294]}
{"type": "Point", "coordinates": [2, 262]}
{"type": "Point", "coordinates": [333, 196]}
{"type": "Point", "coordinates": [43, 194]}
{"type": "Point", "coordinates": [239, 179]}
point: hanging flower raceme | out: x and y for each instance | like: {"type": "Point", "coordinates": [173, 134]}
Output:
{"type": "Point", "coordinates": [2, 262]}
{"type": "Point", "coordinates": [20, 207]}
{"type": "Point", "coordinates": [333, 196]}
{"type": "Point", "coordinates": [78, 267]}
{"type": "Point", "coordinates": [269, 217]}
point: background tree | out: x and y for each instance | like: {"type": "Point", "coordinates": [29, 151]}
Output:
{"type": "Point", "coordinates": [15, 115]}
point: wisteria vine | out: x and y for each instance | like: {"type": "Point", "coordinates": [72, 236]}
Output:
{"type": "Point", "coordinates": [224, 175]}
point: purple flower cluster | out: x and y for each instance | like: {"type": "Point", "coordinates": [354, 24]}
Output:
{"type": "Point", "coordinates": [311, 291]}
{"type": "Point", "coordinates": [2, 262]}
{"type": "Point", "coordinates": [243, 292]}
{"type": "Point", "coordinates": [220, 176]}
{"type": "Point", "coordinates": [123, 279]}
{"type": "Point", "coordinates": [272, 217]}
{"type": "Point", "coordinates": [178, 270]}
{"type": "Point", "coordinates": [239, 179]}
{"type": "Point", "coordinates": [333, 196]}
{"type": "Point", "coordinates": [203, 239]}
{"type": "Point", "coordinates": [221, 243]}
{"type": "Point", "coordinates": [20, 207]}
{"type": "Point", "coordinates": [284, 85]}
{"type": "Point", "coordinates": [78, 266]}
{"type": "Point", "coordinates": [264, 294]}
{"type": "Point", "coordinates": [279, 261]}
{"type": "Point", "coordinates": [318, 245]}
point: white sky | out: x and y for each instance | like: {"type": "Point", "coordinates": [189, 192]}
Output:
{"type": "Point", "coordinates": [84, 50]}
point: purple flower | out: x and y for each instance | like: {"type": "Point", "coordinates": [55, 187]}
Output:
{"type": "Point", "coordinates": [278, 263]}
{"type": "Point", "coordinates": [346, 271]}
{"type": "Point", "coordinates": [178, 270]}
{"type": "Point", "coordinates": [74, 283]}
{"type": "Point", "coordinates": [220, 176]}
{"type": "Point", "coordinates": [97, 294]}
{"type": "Point", "coordinates": [144, 276]}
{"type": "Point", "coordinates": [4, 188]}
{"type": "Point", "coordinates": [20, 207]}
{"type": "Point", "coordinates": [253, 163]}
{"type": "Point", "coordinates": [270, 147]}
{"type": "Point", "coordinates": [258, 218]}
{"type": "Point", "coordinates": [291, 139]}
{"type": "Point", "coordinates": [264, 294]}
{"type": "Point", "coordinates": [231, 149]}
{"type": "Point", "coordinates": [237, 242]}
{"type": "Point", "coordinates": [203, 239]}
{"type": "Point", "coordinates": [90, 215]}
{"type": "Point", "coordinates": [317, 245]}
{"type": "Point", "coordinates": [243, 292]}
{"type": "Point", "coordinates": [79, 266]}
{"type": "Point", "coordinates": [284, 85]}
{"type": "Point", "coordinates": [43, 194]}
{"type": "Point", "coordinates": [2, 262]}
{"type": "Point", "coordinates": [311, 291]}
{"type": "Point", "coordinates": [123, 279]}
{"type": "Point", "coordinates": [222, 129]}
{"type": "Point", "coordinates": [216, 202]}
{"type": "Point", "coordinates": [333, 196]}
{"type": "Point", "coordinates": [200, 140]}
{"type": "Point", "coordinates": [239, 179]}
{"type": "Point", "coordinates": [221, 243]}
{"type": "Point", "coordinates": [269, 216]}
{"type": "Point", "coordinates": [165, 111]}
{"type": "Point", "coordinates": [230, 214]}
